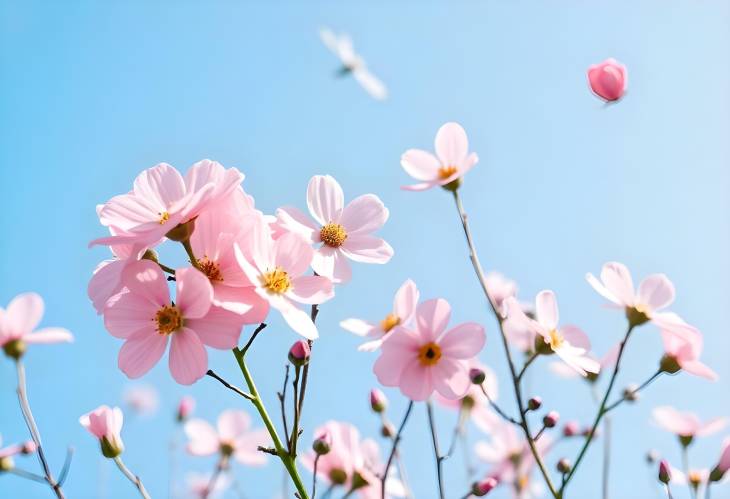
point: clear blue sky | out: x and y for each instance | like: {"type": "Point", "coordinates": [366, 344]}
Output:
{"type": "Point", "coordinates": [94, 92]}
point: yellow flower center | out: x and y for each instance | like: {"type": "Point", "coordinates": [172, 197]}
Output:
{"type": "Point", "coordinates": [164, 217]}
{"type": "Point", "coordinates": [522, 482]}
{"type": "Point", "coordinates": [447, 171]}
{"type": "Point", "coordinates": [429, 354]}
{"type": "Point", "coordinates": [169, 319]}
{"type": "Point", "coordinates": [333, 235]}
{"type": "Point", "coordinates": [210, 268]}
{"type": "Point", "coordinates": [390, 321]}
{"type": "Point", "coordinates": [556, 339]}
{"type": "Point", "coordinates": [695, 478]}
{"type": "Point", "coordinates": [276, 281]}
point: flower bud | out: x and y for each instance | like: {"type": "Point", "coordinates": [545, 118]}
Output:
{"type": "Point", "coordinates": [723, 464]}
{"type": "Point", "coordinates": [322, 443]}
{"type": "Point", "coordinates": [484, 487]}
{"type": "Point", "coordinates": [28, 447]}
{"type": "Point", "coordinates": [337, 476]}
{"type": "Point", "coordinates": [185, 408]}
{"type": "Point", "coordinates": [665, 473]}
{"type": "Point", "coordinates": [571, 429]}
{"type": "Point", "coordinates": [608, 80]}
{"type": "Point", "coordinates": [669, 364]}
{"type": "Point", "coordinates": [151, 255]}
{"type": "Point", "coordinates": [299, 353]}
{"type": "Point", "coordinates": [534, 403]}
{"type": "Point", "coordinates": [105, 424]}
{"type": "Point", "coordinates": [15, 348]}
{"type": "Point", "coordinates": [477, 376]}
{"type": "Point", "coordinates": [551, 419]}
{"type": "Point", "coordinates": [6, 464]}
{"type": "Point", "coordinates": [564, 466]}
{"type": "Point", "coordinates": [387, 430]}
{"type": "Point", "coordinates": [652, 457]}
{"type": "Point", "coordinates": [631, 393]}
{"type": "Point", "coordinates": [378, 401]}
{"type": "Point", "coordinates": [111, 448]}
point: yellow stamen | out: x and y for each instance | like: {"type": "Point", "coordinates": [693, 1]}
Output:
{"type": "Point", "coordinates": [276, 281]}
{"type": "Point", "coordinates": [333, 235]}
{"type": "Point", "coordinates": [522, 482]}
{"type": "Point", "coordinates": [556, 339]}
{"type": "Point", "coordinates": [210, 268]}
{"type": "Point", "coordinates": [390, 321]}
{"type": "Point", "coordinates": [169, 319]}
{"type": "Point", "coordinates": [447, 171]}
{"type": "Point", "coordinates": [164, 217]}
{"type": "Point", "coordinates": [429, 354]}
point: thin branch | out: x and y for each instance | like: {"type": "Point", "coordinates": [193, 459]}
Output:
{"type": "Point", "coordinates": [634, 391]}
{"type": "Point", "coordinates": [255, 333]}
{"type": "Point", "coordinates": [282, 401]}
{"type": "Point", "coordinates": [606, 468]}
{"type": "Point", "coordinates": [66, 466]}
{"type": "Point", "coordinates": [497, 408]}
{"type": "Point", "coordinates": [393, 450]}
{"type": "Point", "coordinates": [225, 383]}
{"type": "Point", "coordinates": [529, 361]}
{"type": "Point", "coordinates": [27, 475]}
{"type": "Point", "coordinates": [314, 477]}
{"type": "Point", "coordinates": [132, 477]}
{"type": "Point", "coordinates": [436, 451]}
{"type": "Point", "coordinates": [295, 428]}
{"type": "Point", "coordinates": [305, 372]}
{"type": "Point", "coordinates": [219, 467]}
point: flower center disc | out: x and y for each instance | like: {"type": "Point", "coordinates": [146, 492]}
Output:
{"type": "Point", "coordinates": [390, 321]}
{"type": "Point", "coordinates": [429, 354]}
{"type": "Point", "coordinates": [169, 319]}
{"type": "Point", "coordinates": [556, 339]}
{"type": "Point", "coordinates": [210, 268]}
{"type": "Point", "coordinates": [447, 171]}
{"type": "Point", "coordinates": [164, 217]}
{"type": "Point", "coordinates": [333, 235]}
{"type": "Point", "coordinates": [277, 281]}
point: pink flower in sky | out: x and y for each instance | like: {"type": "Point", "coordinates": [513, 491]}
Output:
{"type": "Point", "coordinates": [655, 293]}
{"type": "Point", "coordinates": [345, 232]}
{"type": "Point", "coordinates": [723, 464]}
{"type": "Point", "coordinates": [500, 288]}
{"type": "Point", "coordinates": [161, 199]}
{"type": "Point", "coordinates": [475, 404]}
{"type": "Point", "coordinates": [451, 162]}
{"type": "Point", "coordinates": [607, 363]}
{"type": "Point", "coordinates": [684, 348]}
{"type": "Point", "coordinates": [427, 357]}
{"type": "Point", "coordinates": [19, 320]}
{"type": "Point", "coordinates": [231, 437]}
{"type": "Point", "coordinates": [608, 80]}
{"type": "Point", "coordinates": [404, 307]}
{"type": "Point", "coordinates": [276, 268]}
{"type": "Point", "coordinates": [105, 424]}
{"type": "Point", "coordinates": [185, 407]}
{"type": "Point", "coordinates": [198, 484]}
{"type": "Point", "coordinates": [28, 447]}
{"type": "Point", "coordinates": [686, 424]}
{"type": "Point", "coordinates": [144, 315]}
{"type": "Point", "coordinates": [568, 342]}
{"type": "Point", "coordinates": [142, 399]}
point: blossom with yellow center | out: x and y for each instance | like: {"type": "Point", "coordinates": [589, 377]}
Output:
{"type": "Point", "coordinates": [169, 319]}
{"type": "Point", "coordinates": [446, 171]}
{"type": "Point", "coordinates": [210, 268]}
{"type": "Point", "coordinates": [164, 217]}
{"type": "Point", "coordinates": [556, 339]}
{"type": "Point", "coordinates": [333, 235]}
{"type": "Point", "coordinates": [276, 281]}
{"type": "Point", "coordinates": [390, 321]}
{"type": "Point", "coordinates": [429, 354]}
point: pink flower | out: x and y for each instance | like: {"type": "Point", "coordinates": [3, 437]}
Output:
{"type": "Point", "coordinates": [682, 350]}
{"type": "Point", "coordinates": [475, 404]}
{"type": "Point", "coordinates": [608, 80]}
{"type": "Point", "coordinates": [450, 164]}
{"type": "Point", "coordinates": [569, 342]}
{"type": "Point", "coordinates": [607, 362]}
{"type": "Point", "coordinates": [345, 232]}
{"type": "Point", "coordinates": [144, 315]}
{"type": "Point", "coordinates": [185, 408]}
{"type": "Point", "coordinates": [105, 424]}
{"type": "Point", "coordinates": [500, 288]}
{"type": "Point", "coordinates": [107, 279]}
{"type": "Point", "coordinates": [232, 437]}
{"type": "Point", "coordinates": [655, 293]}
{"type": "Point", "coordinates": [18, 321]}
{"type": "Point", "coordinates": [686, 424]}
{"type": "Point", "coordinates": [299, 353]}
{"type": "Point", "coordinates": [428, 358]}
{"type": "Point", "coordinates": [276, 268]}
{"type": "Point", "coordinates": [404, 307]}
{"type": "Point", "coordinates": [198, 484]}
{"type": "Point", "coordinates": [28, 447]}
{"type": "Point", "coordinates": [161, 200]}
{"type": "Point", "coordinates": [142, 399]}
{"type": "Point", "coordinates": [723, 464]}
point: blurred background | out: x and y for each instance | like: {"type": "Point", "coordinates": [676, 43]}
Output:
{"type": "Point", "coordinates": [94, 92]}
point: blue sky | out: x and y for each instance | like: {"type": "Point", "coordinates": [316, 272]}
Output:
{"type": "Point", "coordinates": [92, 93]}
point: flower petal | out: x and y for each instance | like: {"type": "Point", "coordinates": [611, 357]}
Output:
{"type": "Point", "coordinates": [188, 358]}
{"type": "Point", "coordinates": [432, 317]}
{"type": "Point", "coordinates": [416, 381]}
{"type": "Point", "coordinates": [325, 199]}
{"type": "Point", "coordinates": [451, 144]}
{"type": "Point", "coordinates": [23, 314]}
{"type": "Point", "coordinates": [194, 293]}
{"type": "Point", "coordinates": [367, 249]}
{"type": "Point", "coordinates": [357, 326]}
{"type": "Point", "coordinates": [617, 280]}
{"type": "Point", "coordinates": [219, 328]}
{"type": "Point", "coordinates": [247, 446]}
{"type": "Point", "coordinates": [233, 423]}
{"type": "Point", "coordinates": [405, 301]}
{"type": "Point", "coordinates": [546, 308]}
{"type": "Point", "coordinates": [145, 279]}
{"type": "Point", "coordinates": [451, 378]}
{"type": "Point", "coordinates": [656, 291]}
{"type": "Point", "coordinates": [49, 335]}
{"type": "Point", "coordinates": [127, 313]}
{"type": "Point", "coordinates": [296, 318]}
{"type": "Point", "coordinates": [364, 214]}
{"type": "Point", "coordinates": [421, 165]}
{"type": "Point", "coordinates": [463, 341]}
{"type": "Point", "coordinates": [293, 254]}
{"type": "Point", "coordinates": [202, 438]}
{"type": "Point", "coordinates": [311, 289]}
{"type": "Point", "coordinates": [332, 263]}
{"type": "Point", "coordinates": [141, 352]}
{"type": "Point", "coordinates": [293, 220]}
{"type": "Point", "coordinates": [576, 337]}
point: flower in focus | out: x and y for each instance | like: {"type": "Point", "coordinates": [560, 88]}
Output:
{"type": "Point", "coordinates": [185, 408]}
{"type": "Point", "coordinates": [447, 167]}
{"type": "Point", "coordinates": [404, 307]}
{"type": "Point", "coordinates": [105, 424]}
{"type": "Point", "coordinates": [276, 267]}
{"type": "Point", "coordinates": [18, 322]}
{"type": "Point", "coordinates": [569, 343]}
{"type": "Point", "coordinates": [107, 278]}
{"type": "Point", "coordinates": [231, 437]}
{"type": "Point", "coordinates": [429, 358]}
{"type": "Point", "coordinates": [143, 400]}
{"type": "Point", "coordinates": [145, 317]}
{"type": "Point", "coordinates": [475, 404]}
{"type": "Point", "coordinates": [162, 200]}
{"type": "Point", "coordinates": [345, 232]}
{"type": "Point", "coordinates": [685, 425]}
{"type": "Point", "coordinates": [199, 483]}
{"type": "Point", "coordinates": [608, 80]}
{"type": "Point", "coordinates": [299, 353]}
{"type": "Point", "coordinates": [607, 362]}
{"type": "Point", "coordinates": [682, 350]}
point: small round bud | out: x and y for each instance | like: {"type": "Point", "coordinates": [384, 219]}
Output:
{"type": "Point", "coordinates": [322, 443]}
{"type": "Point", "coordinates": [665, 473]}
{"type": "Point", "coordinates": [6, 464]}
{"type": "Point", "coordinates": [387, 430]}
{"type": "Point", "coordinates": [484, 487]}
{"type": "Point", "coordinates": [716, 474]}
{"type": "Point", "coordinates": [378, 401]}
{"type": "Point", "coordinates": [477, 376]}
{"type": "Point", "coordinates": [185, 408]}
{"type": "Point", "coordinates": [534, 403]}
{"type": "Point", "coordinates": [669, 364]}
{"type": "Point", "coordinates": [651, 457]}
{"type": "Point", "coordinates": [337, 476]}
{"type": "Point", "coordinates": [631, 393]}
{"type": "Point", "coordinates": [15, 348]}
{"type": "Point", "coordinates": [299, 353]}
{"type": "Point", "coordinates": [551, 419]}
{"type": "Point", "coordinates": [28, 447]}
{"type": "Point", "coordinates": [564, 466]}
{"type": "Point", "coordinates": [571, 429]}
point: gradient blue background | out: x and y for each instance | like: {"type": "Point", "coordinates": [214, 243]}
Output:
{"type": "Point", "coordinates": [91, 93]}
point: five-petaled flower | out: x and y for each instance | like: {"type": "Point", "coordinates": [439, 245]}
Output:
{"type": "Point", "coordinates": [686, 425]}
{"type": "Point", "coordinates": [682, 351]}
{"type": "Point", "coordinates": [18, 323]}
{"type": "Point", "coordinates": [232, 436]}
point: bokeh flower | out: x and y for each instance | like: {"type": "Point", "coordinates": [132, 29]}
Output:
{"type": "Point", "coordinates": [686, 425]}
{"type": "Point", "coordinates": [18, 322]}
{"type": "Point", "coordinates": [682, 351]}
{"type": "Point", "coordinates": [232, 436]}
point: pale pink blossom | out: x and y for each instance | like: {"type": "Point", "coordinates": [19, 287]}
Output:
{"type": "Point", "coordinates": [686, 424]}
{"type": "Point", "coordinates": [427, 357]}
{"type": "Point", "coordinates": [162, 199]}
{"type": "Point", "coordinates": [185, 408]}
{"type": "Point", "coordinates": [608, 80]}
{"type": "Point", "coordinates": [146, 318]}
{"type": "Point", "coordinates": [723, 464]}
{"type": "Point", "coordinates": [607, 362]}
{"type": "Point", "coordinates": [568, 342]}
{"type": "Point", "coordinates": [105, 424]}
{"type": "Point", "coordinates": [475, 404]}
{"type": "Point", "coordinates": [500, 288]}
{"type": "Point", "coordinates": [684, 348]}
{"type": "Point", "coordinates": [451, 162]}
{"type": "Point", "coordinates": [19, 320]}
{"type": "Point", "coordinates": [199, 483]}
{"type": "Point", "coordinates": [344, 231]}
{"type": "Point", "coordinates": [276, 268]}
{"type": "Point", "coordinates": [142, 399]}
{"type": "Point", "coordinates": [655, 293]}
{"type": "Point", "coordinates": [28, 447]}
{"type": "Point", "coordinates": [404, 308]}
{"type": "Point", "coordinates": [232, 436]}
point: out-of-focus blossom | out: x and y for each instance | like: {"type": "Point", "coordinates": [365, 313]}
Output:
{"type": "Point", "coordinates": [682, 350]}
{"type": "Point", "coordinates": [146, 318]}
{"type": "Point", "coordinates": [665, 472]}
{"type": "Point", "coordinates": [500, 288]}
{"type": "Point", "coordinates": [451, 162]}
{"type": "Point", "coordinates": [18, 322]}
{"type": "Point", "coordinates": [378, 401]}
{"type": "Point", "coordinates": [185, 408]}
{"type": "Point", "coordinates": [608, 80]}
{"type": "Point", "coordinates": [322, 444]}
{"type": "Point", "coordinates": [475, 404]}
{"type": "Point", "coordinates": [404, 307]}
{"type": "Point", "coordinates": [686, 425]}
{"type": "Point", "coordinates": [199, 485]}
{"type": "Point", "coordinates": [142, 399]}
{"type": "Point", "coordinates": [607, 363]}
{"type": "Point", "coordinates": [231, 437]}
{"type": "Point", "coordinates": [105, 424]}
{"type": "Point", "coordinates": [428, 357]}
{"type": "Point", "coordinates": [484, 487]}
{"type": "Point", "coordinates": [723, 464]}
{"type": "Point", "coordinates": [6, 453]}
{"type": "Point", "coordinates": [344, 232]}
{"type": "Point", "coordinates": [276, 268]}
{"type": "Point", "coordinates": [568, 342]}
{"type": "Point", "coordinates": [162, 201]}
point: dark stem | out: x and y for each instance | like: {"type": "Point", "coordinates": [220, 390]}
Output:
{"type": "Point", "coordinates": [606, 456]}
{"type": "Point", "coordinates": [191, 255]}
{"type": "Point", "coordinates": [635, 391]}
{"type": "Point", "coordinates": [219, 467]}
{"type": "Point", "coordinates": [305, 374]}
{"type": "Point", "coordinates": [314, 477]}
{"type": "Point", "coordinates": [225, 383]}
{"type": "Point", "coordinates": [497, 408]}
{"type": "Point", "coordinates": [394, 449]}
{"type": "Point", "coordinates": [295, 428]}
{"type": "Point", "coordinates": [165, 268]}
{"type": "Point", "coordinates": [539, 433]}
{"type": "Point", "coordinates": [529, 361]}
{"type": "Point", "coordinates": [436, 451]}
{"type": "Point", "coordinates": [282, 402]}
{"type": "Point", "coordinates": [255, 333]}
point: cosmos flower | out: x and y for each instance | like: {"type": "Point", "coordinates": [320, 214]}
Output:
{"type": "Point", "coordinates": [685, 424]}
{"type": "Point", "coordinates": [232, 436]}
{"type": "Point", "coordinates": [18, 322]}
{"type": "Point", "coordinates": [105, 424]}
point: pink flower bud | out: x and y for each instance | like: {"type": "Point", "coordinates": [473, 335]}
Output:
{"type": "Point", "coordinates": [483, 487]}
{"type": "Point", "coordinates": [185, 408]}
{"type": "Point", "coordinates": [551, 419]}
{"type": "Point", "coordinates": [105, 424]}
{"type": "Point", "coordinates": [724, 464]}
{"type": "Point", "coordinates": [322, 443]}
{"type": "Point", "coordinates": [477, 376]}
{"type": "Point", "coordinates": [299, 353]}
{"type": "Point", "coordinates": [534, 403]}
{"type": "Point", "coordinates": [564, 466]}
{"type": "Point", "coordinates": [28, 447]}
{"type": "Point", "coordinates": [665, 473]}
{"type": "Point", "coordinates": [571, 429]}
{"type": "Point", "coordinates": [608, 80]}
{"type": "Point", "coordinates": [378, 401]}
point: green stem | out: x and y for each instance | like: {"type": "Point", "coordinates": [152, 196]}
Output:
{"type": "Point", "coordinates": [191, 255]}
{"type": "Point", "coordinates": [287, 460]}
{"type": "Point", "coordinates": [131, 477]}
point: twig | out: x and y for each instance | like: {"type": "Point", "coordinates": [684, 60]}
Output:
{"type": "Point", "coordinates": [633, 392]}
{"type": "Point", "coordinates": [66, 466]}
{"type": "Point", "coordinates": [436, 451]}
{"type": "Point", "coordinates": [497, 408]}
{"type": "Point", "coordinates": [191, 255]}
{"type": "Point", "coordinates": [529, 361]}
{"type": "Point", "coordinates": [314, 477]}
{"type": "Point", "coordinates": [27, 475]}
{"type": "Point", "coordinates": [393, 450]}
{"type": "Point", "coordinates": [132, 477]}
{"type": "Point", "coordinates": [219, 467]}
{"type": "Point", "coordinates": [295, 428]}
{"type": "Point", "coordinates": [606, 469]}
{"type": "Point", "coordinates": [305, 372]}
{"type": "Point", "coordinates": [255, 333]}
{"type": "Point", "coordinates": [282, 401]}
{"type": "Point", "coordinates": [225, 383]}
